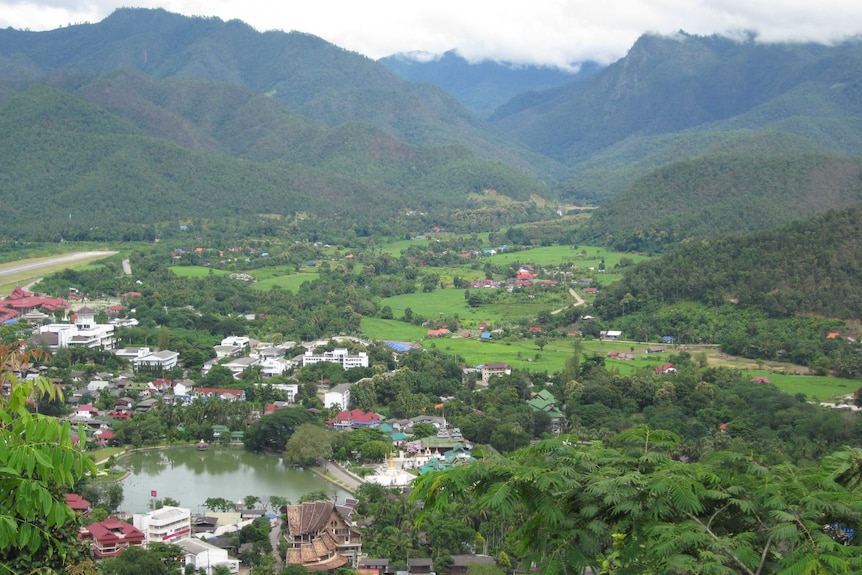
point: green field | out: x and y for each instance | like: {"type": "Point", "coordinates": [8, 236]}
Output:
{"type": "Point", "coordinates": [391, 330]}
{"type": "Point", "coordinates": [287, 282]}
{"type": "Point", "coordinates": [449, 302]}
{"type": "Point", "coordinates": [197, 271]}
{"type": "Point", "coordinates": [265, 278]}
{"type": "Point", "coordinates": [582, 256]}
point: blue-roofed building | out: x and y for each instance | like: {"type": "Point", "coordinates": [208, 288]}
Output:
{"type": "Point", "coordinates": [398, 346]}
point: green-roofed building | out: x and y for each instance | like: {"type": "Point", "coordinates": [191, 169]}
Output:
{"type": "Point", "coordinates": [545, 401]}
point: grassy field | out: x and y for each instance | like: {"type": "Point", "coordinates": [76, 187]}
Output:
{"type": "Point", "coordinates": [391, 330]}
{"type": "Point", "coordinates": [265, 278]}
{"type": "Point", "coordinates": [290, 282]}
{"type": "Point", "coordinates": [450, 301]}
{"type": "Point", "coordinates": [582, 256]}
{"type": "Point", "coordinates": [197, 271]}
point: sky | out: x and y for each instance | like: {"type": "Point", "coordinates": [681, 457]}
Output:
{"type": "Point", "coordinates": [544, 32]}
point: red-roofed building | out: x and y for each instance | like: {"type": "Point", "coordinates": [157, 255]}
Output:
{"type": "Point", "coordinates": [591, 290]}
{"type": "Point", "coordinates": [535, 329]}
{"type": "Point", "coordinates": [354, 418]}
{"type": "Point", "coordinates": [438, 332]}
{"type": "Point", "coordinates": [666, 368]}
{"type": "Point", "coordinates": [23, 301]}
{"type": "Point", "coordinates": [131, 294]}
{"type": "Point", "coordinates": [525, 275]}
{"type": "Point", "coordinates": [111, 537]}
{"type": "Point", "coordinates": [78, 504]}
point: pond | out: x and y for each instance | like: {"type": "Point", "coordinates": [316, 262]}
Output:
{"type": "Point", "coordinates": [191, 477]}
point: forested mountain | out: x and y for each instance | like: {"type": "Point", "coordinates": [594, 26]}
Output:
{"type": "Point", "coordinates": [119, 153]}
{"type": "Point", "coordinates": [318, 80]}
{"type": "Point", "coordinates": [481, 86]}
{"type": "Point", "coordinates": [724, 194]}
{"type": "Point", "coordinates": [678, 97]}
{"type": "Point", "coordinates": [813, 266]}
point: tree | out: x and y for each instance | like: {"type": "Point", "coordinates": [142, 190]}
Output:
{"type": "Point", "coordinates": [251, 501]}
{"type": "Point", "coordinates": [38, 465]}
{"type": "Point", "coordinates": [271, 432]}
{"type": "Point", "coordinates": [308, 445]}
{"type": "Point", "coordinates": [423, 429]}
{"type": "Point", "coordinates": [219, 504]}
{"type": "Point", "coordinates": [726, 514]}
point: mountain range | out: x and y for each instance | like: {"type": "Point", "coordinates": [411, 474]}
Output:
{"type": "Point", "coordinates": [148, 116]}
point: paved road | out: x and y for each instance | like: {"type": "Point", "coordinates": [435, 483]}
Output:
{"type": "Point", "coordinates": [16, 268]}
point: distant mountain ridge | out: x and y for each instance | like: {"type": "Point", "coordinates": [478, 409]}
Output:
{"type": "Point", "coordinates": [316, 79]}
{"type": "Point", "coordinates": [484, 86]}
{"type": "Point", "coordinates": [674, 98]}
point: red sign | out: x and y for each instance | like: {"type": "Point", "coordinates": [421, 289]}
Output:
{"type": "Point", "coordinates": [153, 493]}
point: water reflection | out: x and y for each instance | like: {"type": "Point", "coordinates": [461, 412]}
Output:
{"type": "Point", "coordinates": [191, 476]}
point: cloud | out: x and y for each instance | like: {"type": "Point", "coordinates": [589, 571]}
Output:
{"type": "Point", "coordinates": [551, 32]}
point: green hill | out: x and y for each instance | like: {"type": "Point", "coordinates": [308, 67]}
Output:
{"type": "Point", "coordinates": [313, 78]}
{"type": "Point", "coordinates": [724, 194]}
{"type": "Point", "coordinates": [812, 266]}
{"type": "Point", "coordinates": [75, 170]}
{"type": "Point", "coordinates": [674, 98]}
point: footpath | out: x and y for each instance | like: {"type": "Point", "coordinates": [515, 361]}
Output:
{"type": "Point", "coordinates": [338, 475]}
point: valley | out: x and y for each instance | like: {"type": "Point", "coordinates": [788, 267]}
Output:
{"type": "Point", "coordinates": [597, 322]}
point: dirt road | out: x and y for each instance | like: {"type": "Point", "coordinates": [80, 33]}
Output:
{"type": "Point", "coordinates": [35, 265]}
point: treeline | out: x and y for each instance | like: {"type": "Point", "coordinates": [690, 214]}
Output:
{"type": "Point", "coordinates": [723, 195]}
{"type": "Point", "coordinates": [85, 173]}
{"type": "Point", "coordinates": [813, 266]}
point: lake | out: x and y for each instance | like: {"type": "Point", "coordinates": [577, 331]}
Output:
{"type": "Point", "coordinates": [191, 477]}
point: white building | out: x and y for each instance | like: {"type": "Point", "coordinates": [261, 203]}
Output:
{"type": "Point", "coordinates": [290, 389]}
{"type": "Point", "coordinates": [165, 525]}
{"type": "Point", "coordinates": [85, 332]}
{"type": "Point", "coordinates": [165, 359]}
{"type": "Point", "coordinates": [206, 556]}
{"type": "Point", "coordinates": [338, 396]}
{"type": "Point", "coordinates": [240, 364]}
{"type": "Point", "coordinates": [339, 356]}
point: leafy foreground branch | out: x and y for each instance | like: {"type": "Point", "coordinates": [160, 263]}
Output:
{"type": "Point", "coordinates": [38, 465]}
{"type": "Point", "coordinates": [629, 507]}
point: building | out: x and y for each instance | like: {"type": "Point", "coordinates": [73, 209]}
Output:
{"type": "Point", "coordinates": [319, 538]}
{"type": "Point", "coordinates": [84, 332]}
{"type": "Point", "coordinates": [338, 396]}
{"type": "Point", "coordinates": [354, 419]}
{"type": "Point", "coordinates": [339, 356]}
{"type": "Point", "coordinates": [111, 537]}
{"type": "Point", "coordinates": [495, 369]}
{"type": "Point", "coordinates": [160, 360]}
{"type": "Point", "coordinates": [165, 525]}
{"type": "Point", "coordinates": [545, 401]}
{"type": "Point", "coordinates": [205, 556]}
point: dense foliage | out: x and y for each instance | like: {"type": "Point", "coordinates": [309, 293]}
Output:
{"type": "Point", "coordinates": [811, 266]}
{"type": "Point", "coordinates": [727, 514]}
{"type": "Point", "coordinates": [722, 195]}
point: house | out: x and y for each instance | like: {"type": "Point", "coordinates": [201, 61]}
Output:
{"type": "Point", "coordinates": [665, 369]}
{"type": "Point", "coordinates": [495, 369]}
{"type": "Point", "coordinates": [161, 360]}
{"type": "Point", "coordinates": [272, 366]}
{"type": "Point", "coordinates": [319, 538]}
{"type": "Point", "coordinates": [545, 401]}
{"type": "Point", "coordinates": [338, 396]}
{"type": "Point", "coordinates": [420, 565]}
{"type": "Point", "coordinates": [610, 335]}
{"type": "Point", "coordinates": [111, 537]}
{"type": "Point", "coordinates": [239, 365]}
{"type": "Point", "coordinates": [165, 525]}
{"type": "Point", "coordinates": [374, 566]}
{"type": "Point", "coordinates": [205, 557]}
{"type": "Point", "coordinates": [460, 563]}
{"type": "Point", "coordinates": [78, 504]}
{"type": "Point", "coordinates": [435, 333]}
{"type": "Point", "coordinates": [86, 411]}
{"type": "Point", "coordinates": [354, 418]}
